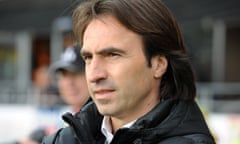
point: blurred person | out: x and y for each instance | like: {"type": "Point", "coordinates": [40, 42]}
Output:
{"type": "Point", "coordinates": [70, 75]}
{"type": "Point", "coordinates": [41, 77]}
{"type": "Point", "coordinates": [71, 80]}
{"type": "Point", "coordinates": [41, 81]}
{"type": "Point", "coordinates": [139, 77]}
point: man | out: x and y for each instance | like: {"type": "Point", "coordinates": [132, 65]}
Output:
{"type": "Point", "coordinates": [71, 80]}
{"type": "Point", "coordinates": [138, 75]}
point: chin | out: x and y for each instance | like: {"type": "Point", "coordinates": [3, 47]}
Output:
{"type": "Point", "coordinates": [106, 113]}
{"type": "Point", "coordinates": [104, 110]}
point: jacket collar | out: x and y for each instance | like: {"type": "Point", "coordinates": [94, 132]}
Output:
{"type": "Point", "coordinates": [172, 118]}
{"type": "Point", "coordinates": [169, 118]}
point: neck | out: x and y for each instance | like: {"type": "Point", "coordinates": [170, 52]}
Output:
{"type": "Point", "coordinates": [116, 124]}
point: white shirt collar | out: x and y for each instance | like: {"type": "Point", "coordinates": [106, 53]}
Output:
{"type": "Point", "coordinates": [106, 128]}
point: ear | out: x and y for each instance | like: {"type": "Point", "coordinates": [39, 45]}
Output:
{"type": "Point", "coordinates": [159, 66]}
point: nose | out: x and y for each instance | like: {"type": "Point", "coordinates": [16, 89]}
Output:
{"type": "Point", "coordinates": [96, 71]}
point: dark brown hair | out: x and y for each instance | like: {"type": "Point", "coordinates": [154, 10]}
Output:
{"type": "Point", "coordinates": [160, 32]}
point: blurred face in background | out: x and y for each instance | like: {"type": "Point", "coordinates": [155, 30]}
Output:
{"type": "Point", "coordinates": [73, 88]}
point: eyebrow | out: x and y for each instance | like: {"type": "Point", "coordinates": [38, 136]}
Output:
{"type": "Point", "coordinates": [104, 51]}
{"type": "Point", "coordinates": [111, 50]}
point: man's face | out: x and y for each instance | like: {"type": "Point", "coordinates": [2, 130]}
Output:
{"type": "Point", "coordinates": [119, 79]}
{"type": "Point", "coordinates": [73, 88]}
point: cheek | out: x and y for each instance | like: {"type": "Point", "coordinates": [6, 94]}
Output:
{"type": "Point", "coordinates": [138, 77]}
{"type": "Point", "coordinates": [88, 86]}
{"type": "Point", "coordinates": [131, 76]}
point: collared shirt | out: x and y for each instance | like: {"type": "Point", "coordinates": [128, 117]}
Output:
{"type": "Point", "coordinates": [106, 128]}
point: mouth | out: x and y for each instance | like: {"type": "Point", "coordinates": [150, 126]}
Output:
{"type": "Point", "coordinates": [103, 94]}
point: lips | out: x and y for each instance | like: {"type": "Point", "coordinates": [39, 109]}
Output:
{"type": "Point", "coordinates": [103, 93]}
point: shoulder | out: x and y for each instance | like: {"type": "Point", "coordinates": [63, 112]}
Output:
{"type": "Point", "coordinates": [89, 113]}
{"type": "Point", "coordinates": [190, 139]}
{"type": "Point", "coordinates": [83, 125]}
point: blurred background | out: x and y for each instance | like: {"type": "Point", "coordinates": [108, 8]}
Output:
{"type": "Point", "coordinates": [34, 33]}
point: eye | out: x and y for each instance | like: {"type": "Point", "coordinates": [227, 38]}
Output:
{"type": "Point", "coordinates": [86, 57]}
{"type": "Point", "coordinates": [112, 54]}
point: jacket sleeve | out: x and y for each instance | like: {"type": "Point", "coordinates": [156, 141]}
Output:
{"type": "Point", "coordinates": [62, 136]}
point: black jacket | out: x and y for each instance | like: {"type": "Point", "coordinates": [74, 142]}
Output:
{"type": "Point", "coordinates": [170, 122]}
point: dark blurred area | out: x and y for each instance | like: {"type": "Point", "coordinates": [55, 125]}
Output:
{"type": "Point", "coordinates": [32, 15]}
{"type": "Point", "coordinates": [34, 33]}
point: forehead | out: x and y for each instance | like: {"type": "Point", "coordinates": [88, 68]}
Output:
{"type": "Point", "coordinates": [107, 31]}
